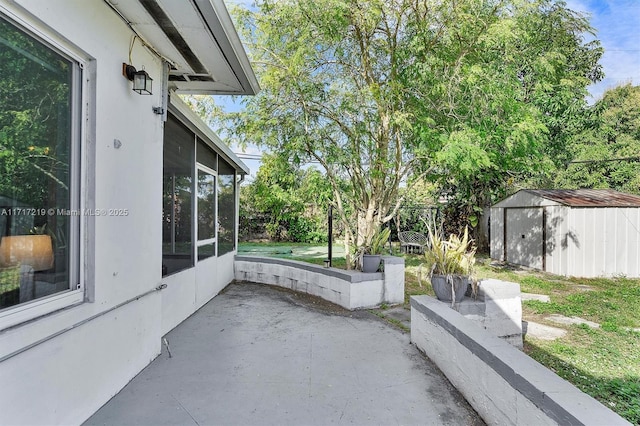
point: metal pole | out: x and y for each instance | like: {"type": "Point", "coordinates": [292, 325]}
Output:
{"type": "Point", "coordinates": [330, 232]}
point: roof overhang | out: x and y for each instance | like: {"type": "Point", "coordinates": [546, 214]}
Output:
{"type": "Point", "coordinates": [198, 39]}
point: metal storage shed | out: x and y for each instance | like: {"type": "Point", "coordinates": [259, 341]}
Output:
{"type": "Point", "coordinates": [581, 232]}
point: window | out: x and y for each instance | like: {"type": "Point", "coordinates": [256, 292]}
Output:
{"type": "Point", "coordinates": [195, 180]}
{"type": "Point", "coordinates": [177, 182]}
{"type": "Point", "coordinates": [40, 89]}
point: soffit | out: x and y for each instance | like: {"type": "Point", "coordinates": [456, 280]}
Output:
{"type": "Point", "coordinates": [198, 39]}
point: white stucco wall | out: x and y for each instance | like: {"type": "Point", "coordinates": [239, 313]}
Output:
{"type": "Point", "coordinates": [67, 376]}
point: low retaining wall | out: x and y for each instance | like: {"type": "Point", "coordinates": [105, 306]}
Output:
{"type": "Point", "coordinates": [504, 385]}
{"type": "Point", "coordinates": [349, 289]}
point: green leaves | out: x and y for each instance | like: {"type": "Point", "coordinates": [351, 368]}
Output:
{"type": "Point", "coordinates": [329, 70]}
{"type": "Point", "coordinates": [379, 240]}
{"type": "Point", "coordinates": [382, 92]}
{"type": "Point", "coordinates": [495, 90]}
{"type": "Point", "coordinates": [463, 154]}
{"type": "Point", "coordinates": [454, 256]}
{"type": "Point", "coordinates": [291, 201]}
{"type": "Point", "coordinates": [611, 131]}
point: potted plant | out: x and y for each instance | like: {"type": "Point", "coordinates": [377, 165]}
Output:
{"type": "Point", "coordinates": [452, 265]}
{"type": "Point", "coordinates": [371, 255]}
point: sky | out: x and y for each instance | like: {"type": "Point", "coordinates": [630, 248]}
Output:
{"type": "Point", "coordinates": [617, 25]}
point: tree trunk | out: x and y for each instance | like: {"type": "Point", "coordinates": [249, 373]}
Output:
{"type": "Point", "coordinates": [347, 246]}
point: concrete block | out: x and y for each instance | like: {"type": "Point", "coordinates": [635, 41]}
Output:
{"type": "Point", "coordinates": [502, 397]}
{"type": "Point", "coordinates": [314, 278]}
{"type": "Point", "coordinates": [366, 294]}
{"type": "Point", "coordinates": [337, 284]}
{"type": "Point", "coordinates": [267, 268]}
{"type": "Point", "coordinates": [393, 277]}
{"type": "Point", "coordinates": [294, 284]}
{"type": "Point", "coordinates": [504, 319]}
{"type": "Point", "coordinates": [475, 378]}
{"type": "Point", "coordinates": [394, 294]}
{"type": "Point", "coordinates": [316, 290]}
{"type": "Point", "coordinates": [300, 286]}
{"type": "Point", "coordinates": [497, 309]}
{"type": "Point", "coordinates": [279, 280]}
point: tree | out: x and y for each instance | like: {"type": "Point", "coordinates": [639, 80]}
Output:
{"type": "Point", "coordinates": [384, 92]}
{"type": "Point", "coordinates": [606, 151]}
{"type": "Point", "coordinates": [501, 83]}
{"type": "Point", "coordinates": [292, 201]}
{"type": "Point", "coordinates": [328, 70]}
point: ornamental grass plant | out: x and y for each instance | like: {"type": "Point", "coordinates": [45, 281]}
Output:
{"type": "Point", "coordinates": [452, 257]}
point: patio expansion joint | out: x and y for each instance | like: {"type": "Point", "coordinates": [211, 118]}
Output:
{"type": "Point", "coordinates": [185, 410]}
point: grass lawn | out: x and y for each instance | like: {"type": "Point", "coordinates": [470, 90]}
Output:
{"type": "Point", "coordinates": [312, 253]}
{"type": "Point", "coordinates": [604, 362]}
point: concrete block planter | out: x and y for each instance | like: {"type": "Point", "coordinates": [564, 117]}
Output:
{"type": "Point", "coordinates": [349, 289]}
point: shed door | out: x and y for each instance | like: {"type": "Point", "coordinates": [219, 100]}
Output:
{"type": "Point", "coordinates": [524, 236]}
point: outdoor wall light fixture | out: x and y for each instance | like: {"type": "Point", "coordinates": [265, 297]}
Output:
{"type": "Point", "coordinates": [141, 80]}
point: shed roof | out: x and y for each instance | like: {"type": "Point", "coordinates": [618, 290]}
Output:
{"type": "Point", "coordinates": [588, 197]}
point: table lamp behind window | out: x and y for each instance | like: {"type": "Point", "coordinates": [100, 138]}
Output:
{"type": "Point", "coordinates": [33, 250]}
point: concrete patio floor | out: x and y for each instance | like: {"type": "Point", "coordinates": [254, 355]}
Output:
{"type": "Point", "coordinates": [257, 355]}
